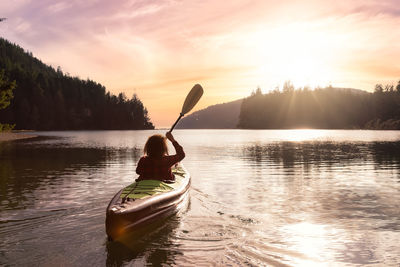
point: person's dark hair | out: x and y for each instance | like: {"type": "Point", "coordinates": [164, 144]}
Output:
{"type": "Point", "coordinates": [156, 146]}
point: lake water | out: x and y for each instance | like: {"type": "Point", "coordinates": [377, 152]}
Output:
{"type": "Point", "coordinates": [258, 197]}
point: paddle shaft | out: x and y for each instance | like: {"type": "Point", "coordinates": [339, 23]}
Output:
{"type": "Point", "coordinates": [173, 126]}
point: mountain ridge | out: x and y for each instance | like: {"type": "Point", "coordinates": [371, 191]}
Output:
{"type": "Point", "coordinates": [218, 116]}
{"type": "Point", "coordinates": [226, 115]}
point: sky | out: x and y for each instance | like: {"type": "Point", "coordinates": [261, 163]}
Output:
{"type": "Point", "coordinates": [160, 49]}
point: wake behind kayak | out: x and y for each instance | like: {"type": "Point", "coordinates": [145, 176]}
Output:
{"type": "Point", "coordinates": [145, 201]}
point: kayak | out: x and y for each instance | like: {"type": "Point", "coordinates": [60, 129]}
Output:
{"type": "Point", "coordinates": [145, 201]}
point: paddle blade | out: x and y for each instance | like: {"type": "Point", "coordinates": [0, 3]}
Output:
{"type": "Point", "coordinates": [192, 98]}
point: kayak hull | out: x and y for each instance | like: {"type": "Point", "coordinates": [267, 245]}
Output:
{"type": "Point", "coordinates": [123, 218]}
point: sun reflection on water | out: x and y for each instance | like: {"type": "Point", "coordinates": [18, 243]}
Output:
{"type": "Point", "coordinates": [312, 240]}
{"type": "Point", "coordinates": [303, 134]}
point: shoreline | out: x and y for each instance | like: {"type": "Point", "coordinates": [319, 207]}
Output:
{"type": "Point", "coordinates": [11, 136]}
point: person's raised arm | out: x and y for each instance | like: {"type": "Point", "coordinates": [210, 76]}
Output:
{"type": "Point", "coordinates": [180, 154]}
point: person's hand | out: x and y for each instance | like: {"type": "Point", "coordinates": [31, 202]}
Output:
{"type": "Point", "coordinates": [170, 137]}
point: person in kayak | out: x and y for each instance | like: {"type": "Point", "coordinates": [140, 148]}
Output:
{"type": "Point", "coordinates": [156, 163]}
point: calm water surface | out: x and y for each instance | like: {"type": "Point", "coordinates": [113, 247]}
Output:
{"type": "Point", "coordinates": [280, 198]}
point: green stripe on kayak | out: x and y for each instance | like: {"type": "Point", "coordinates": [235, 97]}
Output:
{"type": "Point", "coordinates": [148, 188]}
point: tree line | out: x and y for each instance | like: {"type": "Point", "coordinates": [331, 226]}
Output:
{"type": "Point", "coordinates": [322, 108]}
{"type": "Point", "coordinates": [6, 94]}
{"type": "Point", "coordinates": [48, 99]}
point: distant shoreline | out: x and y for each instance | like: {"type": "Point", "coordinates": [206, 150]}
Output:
{"type": "Point", "coordinates": [11, 136]}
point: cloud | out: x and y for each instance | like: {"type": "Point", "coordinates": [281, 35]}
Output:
{"type": "Point", "coordinates": [57, 7]}
{"type": "Point", "coordinates": [23, 27]}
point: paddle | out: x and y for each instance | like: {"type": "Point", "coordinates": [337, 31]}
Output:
{"type": "Point", "coordinates": [191, 100]}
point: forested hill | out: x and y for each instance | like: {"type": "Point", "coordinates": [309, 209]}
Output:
{"type": "Point", "coordinates": [327, 108]}
{"type": "Point", "coordinates": [220, 116]}
{"type": "Point", "coordinates": [48, 99]}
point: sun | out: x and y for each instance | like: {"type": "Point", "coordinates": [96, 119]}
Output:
{"type": "Point", "coordinates": [304, 57]}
